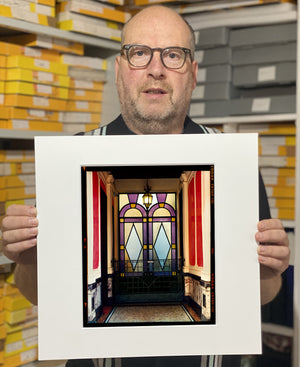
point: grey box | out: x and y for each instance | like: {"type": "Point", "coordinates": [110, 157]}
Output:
{"type": "Point", "coordinates": [215, 73]}
{"type": "Point", "coordinates": [263, 105]}
{"type": "Point", "coordinates": [264, 54]}
{"type": "Point", "coordinates": [209, 109]}
{"type": "Point", "coordinates": [213, 56]}
{"type": "Point", "coordinates": [255, 75]}
{"type": "Point", "coordinates": [286, 32]}
{"type": "Point", "coordinates": [214, 91]}
{"type": "Point", "coordinates": [267, 91]}
{"type": "Point", "coordinates": [212, 37]}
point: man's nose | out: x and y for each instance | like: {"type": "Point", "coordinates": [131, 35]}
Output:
{"type": "Point", "coordinates": [156, 68]}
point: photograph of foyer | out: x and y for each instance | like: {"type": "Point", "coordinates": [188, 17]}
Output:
{"type": "Point", "coordinates": [148, 245]}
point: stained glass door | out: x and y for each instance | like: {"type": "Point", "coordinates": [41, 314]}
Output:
{"type": "Point", "coordinates": [148, 242]}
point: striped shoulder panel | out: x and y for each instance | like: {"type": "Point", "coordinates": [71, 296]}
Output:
{"type": "Point", "coordinates": [210, 130]}
{"type": "Point", "coordinates": [211, 361]}
{"type": "Point", "coordinates": [99, 131]}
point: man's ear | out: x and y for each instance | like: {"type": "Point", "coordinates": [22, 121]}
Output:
{"type": "Point", "coordinates": [117, 65]}
{"type": "Point", "coordinates": [195, 73]}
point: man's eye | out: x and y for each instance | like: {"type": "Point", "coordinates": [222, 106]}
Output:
{"type": "Point", "coordinates": [139, 53]}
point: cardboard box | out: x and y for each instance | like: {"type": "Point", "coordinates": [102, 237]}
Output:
{"type": "Point", "coordinates": [33, 125]}
{"type": "Point", "coordinates": [44, 103]}
{"type": "Point", "coordinates": [214, 74]}
{"type": "Point", "coordinates": [86, 84]}
{"type": "Point", "coordinates": [210, 109]}
{"type": "Point", "coordinates": [212, 37]}
{"type": "Point", "coordinates": [80, 117]}
{"type": "Point", "coordinates": [10, 155]}
{"type": "Point", "coordinates": [43, 41]}
{"type": "Point", "coordinates": [93, 9]}
{"type": "Point", "coordinates": [16, 302]}
{"type": "Point", "coordinates": [84, 62]}
{"type": "Point", "coordinates": [92, 26]}
{"type": "Point", "coordinates": [266, 74]}
{"type": "Point", "coordinates": [25, 62]}
{"type": "Point", "coordinates": [8, 49]}
{"type": "Point", "coordinates": [85, 95]}
{"type": "Point", "coordinates": [213, 56]}
{"type": "Point", "coordinates": [20, 180]}
{"type": "Point", "coordinates": [83, 106]}
{"type": "Point", "coordinates": [214, 91]}
{"type": "Point", "coordinates": [265, 54]}
{"type": "Point", "coordinates": [41, 77]}
{"type": "Point", "coordinates": [76, 128]}
{"type": "Point", "coordinates": [283, 213]}
{"type": "Point", "coordinates": [35, 89]}
{"type": "Point", "coordinates": [16, 113]}
{"type": "Point", "coordinates": [275, 104]}
{"type": "Point", "coordinates": [266, 34]}
{"type": "Point", "coordinates": [7, 169]}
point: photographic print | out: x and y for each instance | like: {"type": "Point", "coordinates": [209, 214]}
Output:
{"type": "Point", "coordinates": [154, 246]}
{"type": "Point", "coordinates": [148, 245]}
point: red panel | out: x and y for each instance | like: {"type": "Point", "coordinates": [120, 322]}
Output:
{"type": "Point", "coordinates": [192, 243]}
{"type": "Point", "coordinates": [96, 220]}
{"type": "Point", "coordinates": [199, 219]}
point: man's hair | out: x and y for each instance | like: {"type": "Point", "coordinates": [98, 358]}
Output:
{"type": "Point", "coordinates": [192, 33]}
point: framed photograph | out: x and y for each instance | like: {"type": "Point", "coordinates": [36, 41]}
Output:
{"type": "Point", "coordinates": [146, 245]}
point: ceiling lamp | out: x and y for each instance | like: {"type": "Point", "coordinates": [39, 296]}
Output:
{"type": "Point", "coordinates": [147, 197]}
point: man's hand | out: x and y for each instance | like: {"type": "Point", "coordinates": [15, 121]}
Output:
{"type": "Point", "coordinates": [273, 256]}
{"type": "Point", "coordinates": [19, 231]}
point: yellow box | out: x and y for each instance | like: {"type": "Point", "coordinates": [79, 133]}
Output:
{"type": "Point", "coordinates": [21, 358]}
{"type": "Point", "coordinates": [86, 84]}
{"type": "Point", "coordinates": [14, 317]}
{"type": "Point", "coordinates": [35, 102]}
{"type": "Point", "coordinates": [34, 76]}
{"type": "Point", "coordinates": [3, 73]}
{"type": "Point", "coordinates": [42, 41]}
{"type": "Point", "coordinates": [78, 117]}
{"type": "Point", "coordinates": [85, 95]}
{"type": "Point", "coordinates": [3, 61]}
{"type": "Point", "coordinates": [18, 193]}
{"type": "Point", "coordinates": [19, 180]}
{"type": "Point", "coordinates": [21, 334]}
{"type": "Point", "coordinates": [76, 128]}
{"type": "Point", "coordinates": [34, 89]}
{"type": "Point", "coordinates": [83, 106]}
{"type": "Point", "coordinates": [25, 62]}
{"type": "Point", "coordinates": [98, 10]}
{"type": "Point", "coordinates": [16, 155]}
{"type": "Point", "coordinates": [33, 125]}
{"type": "Point", "coordinates": [44, 2]}
{"type": "Point", "coordinates": [2, 331]}
{"type": "Point", "coordinates": [15, 302]}
{"type": "Point", "coordinates": [17, 168]}
{"type": "Point", "coordinates": [16, 113]}
{"type": "Point", "coordinates": [2, 317]}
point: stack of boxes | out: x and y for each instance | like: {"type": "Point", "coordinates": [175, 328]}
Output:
{"type": "Point", "coordinates": [17, 180]}
{"type": "Point", "coordinates": [277, 161]}
{"type": "Point", "coordinates": [264, 69]}
{"type": "Point", "coordinates": [20, 326]}
{"type": "Point", "coordinates": [212, 94]}
{"type": "Point", "coordinates": [34, 11]}
{"type": "Point", "coordinates": [101, 19]}
{"type": "Point", "coordinates": [245, 71]}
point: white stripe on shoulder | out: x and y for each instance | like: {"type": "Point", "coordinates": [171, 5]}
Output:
{"type": "Point", "coordinates": [212, 130]}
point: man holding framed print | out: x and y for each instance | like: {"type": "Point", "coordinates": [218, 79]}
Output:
{"type": "Point", "coordinates": [155, 76]}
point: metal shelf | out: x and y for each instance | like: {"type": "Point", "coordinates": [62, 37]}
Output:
{"type": "Point", "coordinates": [247, 119]}
{"type": "Point", "coordinates": [27, 134]}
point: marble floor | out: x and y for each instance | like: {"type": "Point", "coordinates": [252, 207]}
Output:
{"type": "Point", "coordinates": [151, 313]}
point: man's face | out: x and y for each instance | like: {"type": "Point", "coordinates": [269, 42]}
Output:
{"type": "Point", "coordinates": [155, 99]}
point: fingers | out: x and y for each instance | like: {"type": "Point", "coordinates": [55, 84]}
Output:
{"type": "Point", "coordinates": [19, 231]}
{"type": "Point", "coordinates": [273, 250]}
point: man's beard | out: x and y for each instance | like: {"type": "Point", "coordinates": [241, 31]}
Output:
{"type": "Point", "coordinates": [152, 121]}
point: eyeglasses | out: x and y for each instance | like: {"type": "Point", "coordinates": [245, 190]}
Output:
{"type": "Point", "coordinates": [140, 56]}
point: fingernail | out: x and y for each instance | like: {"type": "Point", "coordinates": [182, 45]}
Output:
{"type": "Point", "coordinates": [33, 221]}
{"type": "Point", "coordinates": [261, 249]}
{"type": "Point", "coordinates": [32, 211]}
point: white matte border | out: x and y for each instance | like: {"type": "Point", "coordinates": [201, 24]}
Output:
{"type": "Point", "coordinates": [58, 179]}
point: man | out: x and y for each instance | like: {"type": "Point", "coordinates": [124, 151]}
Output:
{"type": "Point", "coordinates": [155, 76]}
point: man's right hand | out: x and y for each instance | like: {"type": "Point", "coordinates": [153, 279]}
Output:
{"type": "Point", "coordinates": [19, 231]}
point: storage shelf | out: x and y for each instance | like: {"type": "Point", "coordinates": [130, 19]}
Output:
{"type": "Point", "coordinates": [108, 46]}
{"type": "Point", "coordinates": [245, 119]}
{"type": "Point", "coordinates": [4, 260]}
{"type": "Point", "coordinates": [27, 134]}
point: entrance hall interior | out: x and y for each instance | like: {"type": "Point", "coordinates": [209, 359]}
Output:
{"type": "Point", "coordinates": [148, 249]}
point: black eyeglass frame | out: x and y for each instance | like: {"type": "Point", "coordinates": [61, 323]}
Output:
{"type": "Point", "coordinates": [186, 51]}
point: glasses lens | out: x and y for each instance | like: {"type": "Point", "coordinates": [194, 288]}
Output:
{"type": "Point", "coordinates": [139, 55]}
{"type": "Point", "coordinates": [173, 58]}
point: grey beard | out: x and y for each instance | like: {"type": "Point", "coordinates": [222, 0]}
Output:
{"type": "Point", "coordinates": [152, 123]}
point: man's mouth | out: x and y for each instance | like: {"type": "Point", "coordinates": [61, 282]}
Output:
{"type": "Point", "coordinates": [155, 91]}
